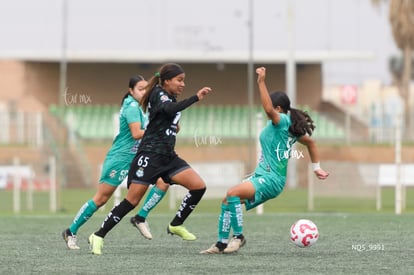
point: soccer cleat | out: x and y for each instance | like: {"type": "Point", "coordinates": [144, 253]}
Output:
{"type": "Point", "coordinates": [181, 231]}
{"type": "Point", "coordinates": [95, 244]}
{"type": "Point", "coordinates": [142, 227]}
{"type": "Point", "coordinates": [70, 239]}
{"type": "Point", "coordinates": [214, 249]}
{"type": "Point", "coordinates": [235, 244]}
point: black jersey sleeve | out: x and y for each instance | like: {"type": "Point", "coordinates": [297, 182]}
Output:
{"type": "Point", "coordinates": [171, 108]}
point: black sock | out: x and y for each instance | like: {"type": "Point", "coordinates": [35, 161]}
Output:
{"type": "Point", "coordinates": [139, 218]}
{"type": "Point", "coordinates": [221, 246]}
{"type": "Point", "coordinates": [114, 217]}
{"type": "Point", "coordinates": [240, 237]}
{"type": "Point", "coordinates": [187, 206]}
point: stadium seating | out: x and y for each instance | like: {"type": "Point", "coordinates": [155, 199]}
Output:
{"type": "Point", "coordinates": [203, 121]}
{"type": "Point", "coordinates": [325, 128]}
{"type": "Point", "coordinates": [89, 121]}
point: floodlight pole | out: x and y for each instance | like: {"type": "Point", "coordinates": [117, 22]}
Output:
{"type": "Point", "coordinates": [250, 86]}
{"type": "Point", "coordinates": [291, 85]}
{"type": "Point", "coordinates": [63, 60]}
{"type": "Point", "coordinates": [62, 91]}
{"type": "Point", "coordinates": [291, 63]}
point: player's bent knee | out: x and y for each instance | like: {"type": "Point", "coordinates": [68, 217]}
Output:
{"type": "Point", "coordinates": [99, 201]}
{"type": "Point", "coordinates": [198, 185]}
{"type": "Point", "coordinates": [232, 192]}
{"type": "Point", "coordinates": [134, 201]}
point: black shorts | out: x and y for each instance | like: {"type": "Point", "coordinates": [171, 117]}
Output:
{"type": "Point", "coordinates": [147, 167]}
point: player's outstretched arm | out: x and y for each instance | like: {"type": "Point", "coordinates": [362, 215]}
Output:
{"type": "Point", "coordinates": [314, 156]}
{"type": "Point", "coordinates": [173, 107]}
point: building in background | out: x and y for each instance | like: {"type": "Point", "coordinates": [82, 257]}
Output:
{"type": "Point", "coordinates": [104, 42]}
{"type": "Point", "coordinates": [351, 39]}
{"type": "Point", "coordinates": [341, 50]}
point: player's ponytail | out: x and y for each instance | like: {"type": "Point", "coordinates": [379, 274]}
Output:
{"type": "Point", "coordinates": [154, 81]}
{"type": "Point", "coordinates": [302, 123]}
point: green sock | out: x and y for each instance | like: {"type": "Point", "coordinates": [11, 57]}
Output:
{"type": "Point", "coordinates": [154, 197]}
{"type": "Point", "coordinates": [84, 213]}
{"type": "Point", "coordinates": [224, 224]}
{"type": "Point", "coordinates": [236, 217]}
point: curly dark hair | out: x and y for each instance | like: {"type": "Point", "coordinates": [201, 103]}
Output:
{"type": "Point", "coordinates": [302, 123]}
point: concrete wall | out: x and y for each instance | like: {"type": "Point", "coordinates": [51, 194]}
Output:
{"type": "Point", "coordinates": [35, 85]}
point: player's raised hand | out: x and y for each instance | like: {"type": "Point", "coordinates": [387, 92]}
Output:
{"type": "Point", "coordinates": [261, 74]}
{"type": "Point", "coordinates": [202, 92]}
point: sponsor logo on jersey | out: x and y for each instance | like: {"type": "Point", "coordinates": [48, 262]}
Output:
{"type": "Point", "coordinates": [165, 98]}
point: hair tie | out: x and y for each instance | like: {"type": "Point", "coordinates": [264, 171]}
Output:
{"type": "Point", "coordinates": [157, 74]}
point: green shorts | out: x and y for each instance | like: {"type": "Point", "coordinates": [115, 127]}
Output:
{"type": "Point", "coordinates": [267, 186]}
{"type": "Point", "coordinates": [115, 169]}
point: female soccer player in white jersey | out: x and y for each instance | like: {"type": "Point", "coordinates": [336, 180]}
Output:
{"type": "Point", "coordinates": [285, 126]}
{"type": "Point", "coordinates": [132, 123]}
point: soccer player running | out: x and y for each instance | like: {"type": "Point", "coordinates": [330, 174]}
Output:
{"type": "Point", "coordinates": [132, 122]}
{"type": "Point", "coordinates": [286, 125]}
{"type": "Point", "coordinates": [156, 156]}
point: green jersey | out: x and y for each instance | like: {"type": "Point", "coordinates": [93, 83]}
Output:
{"type": "Point", "coordinates": [124, 144]}
{"type": "Point", "coordinates": [276, 143]}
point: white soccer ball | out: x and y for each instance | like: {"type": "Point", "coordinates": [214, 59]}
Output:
{"type": "Point", "coordinates": [304, 233]}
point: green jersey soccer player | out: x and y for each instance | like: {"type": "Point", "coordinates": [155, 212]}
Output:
{"type": "Point", "coordinates": [285, 126]}
{"type": "Point", "coordinates": [132, 123]}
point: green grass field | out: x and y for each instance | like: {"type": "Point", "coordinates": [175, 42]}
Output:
{"type": "Point", "coordinates": [348, 243]}
{"type": "Point", "coordinates": [69, 201]}
{"type": "Point", "coordinates": [367, 242]}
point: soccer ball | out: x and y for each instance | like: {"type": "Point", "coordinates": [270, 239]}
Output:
{"type": "Point", "coordinates": [304, 233]}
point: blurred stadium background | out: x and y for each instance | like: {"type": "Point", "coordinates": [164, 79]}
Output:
{"type": "Point", "coordinates": [65, 65]}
